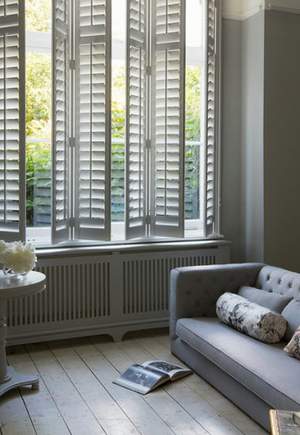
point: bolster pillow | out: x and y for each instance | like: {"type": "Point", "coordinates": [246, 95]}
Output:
{"type": "Point", "coordinates": [250, 318]}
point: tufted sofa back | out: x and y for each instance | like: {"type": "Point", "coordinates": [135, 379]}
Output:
{"type": "Point", "coordinates": [284, 282]}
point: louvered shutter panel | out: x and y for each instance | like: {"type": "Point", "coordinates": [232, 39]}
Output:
{"type": "Point", "coordinates": [136, 119]}
{"type": "Point", "coordinates": [211, 198]}
{"type": "Point", "coordinates": [93, 115]}
{"type": "Point", "coordinates": [61, 121]}
{"type": "Point", "coordinates": [168, 73]}
{"type": "Point", "coordinates": [12, 120]}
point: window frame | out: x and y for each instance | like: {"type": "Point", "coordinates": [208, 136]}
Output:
{"type": "Point", "coordinates": [215, 232]}
{"type": "Point", "coordinates": [217, 172]}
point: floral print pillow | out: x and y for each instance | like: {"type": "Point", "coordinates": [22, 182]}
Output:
{"type": "Point", "coordinates": [293, 346]}
{"type": "Point", "coordinates": [250, 318]}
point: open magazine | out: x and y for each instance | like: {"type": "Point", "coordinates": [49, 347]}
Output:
{"type": "Point", "coordinates": [145, 377]}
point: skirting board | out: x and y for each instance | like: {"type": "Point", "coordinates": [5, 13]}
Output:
{"type": "Point", "coordinates": [116, 331]}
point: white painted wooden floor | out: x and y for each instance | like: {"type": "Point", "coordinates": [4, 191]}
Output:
{"type": "Point", "coordinates": [76, 394]}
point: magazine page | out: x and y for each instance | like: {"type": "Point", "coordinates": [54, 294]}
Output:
{"type": "Point", "coordinates": [140, 379]}
{"type": "Point", "coordinates": [173, 371]}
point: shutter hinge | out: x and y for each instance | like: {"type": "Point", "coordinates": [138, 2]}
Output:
{"type": "Point", "coordinates": [148, 143]}
{"type": "Point", "coordinates": [72, 142]}
{"type": "Point", "coordinates": [148, 70]}
{"type": "Point", "coordinates": [147, 219]}
{"type": "Point", "coordinates": [72, 64]}
{"type": "Point", "coordinates": [72, 222]}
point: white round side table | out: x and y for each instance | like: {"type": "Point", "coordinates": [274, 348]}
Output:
{"type": "Point", "coordinates": [15, 287]}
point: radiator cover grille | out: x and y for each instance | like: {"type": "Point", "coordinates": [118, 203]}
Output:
{"type": "Point", "coordinates": [110, 293]}
{"type": "Point", "coordinates": [146, 280]}
{"type": "Point", "coordinates": [77, 290]}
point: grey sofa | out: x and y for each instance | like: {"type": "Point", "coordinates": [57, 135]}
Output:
{"type": "Point", "coordinates": [254, 375]}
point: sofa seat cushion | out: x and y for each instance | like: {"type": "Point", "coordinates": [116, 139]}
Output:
{"type": "Point", "coordinates": [264, 369]}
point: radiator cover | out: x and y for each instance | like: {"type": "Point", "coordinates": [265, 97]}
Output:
{"type": "Point", "coordinates": [109, 292]}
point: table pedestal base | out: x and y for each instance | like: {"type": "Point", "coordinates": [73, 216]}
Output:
{"type": "Point", "coordinates": [11, 288]}
{"type": "Point", "coordinates": [16, 380]}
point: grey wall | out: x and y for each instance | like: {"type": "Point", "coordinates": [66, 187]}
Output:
{"type": "Point", "coordinates": [252, 109]}
{"type": "Point", "coordinates": [242, 136]}
{"type": "Point", "coordinates": [261, 138]}
{"type": "Point", "coordinates": [231, 135]}
{"type": "Point", "coordinates": [282, 139]}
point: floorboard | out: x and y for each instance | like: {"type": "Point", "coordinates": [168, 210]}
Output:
{"type": "Point", "coordinates": [133, 404]}
{"type": "Point", "coordinates": [187, 398]}
{"type": "Point", "coordinates": [77, 397]}
{"type": "Point", "coordinates": [14, 418]}
{"type": "Point", "coordinates": [74, 410]}
{"type": "Point", "coordinates": [108, 413]}
{"type": "Point", "coordinates": [175, 416]}
{"type": "Point", "coordinates": [44, 413]}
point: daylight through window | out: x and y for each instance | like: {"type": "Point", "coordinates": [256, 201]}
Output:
{"type": "Point", "coordinates": [120, 122]}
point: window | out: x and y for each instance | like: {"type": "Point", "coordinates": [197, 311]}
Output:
{"type": "Point", "coordinates": [129, 149]}
{"type": "Point", "coordinates": [38, 120]}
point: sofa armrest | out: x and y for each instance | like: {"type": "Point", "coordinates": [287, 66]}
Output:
{"type": "Point", "coordinates": [195, 290]}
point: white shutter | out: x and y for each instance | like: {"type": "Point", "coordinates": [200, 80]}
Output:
{"type": "Point", "coordinates": [93, 120]}
{"type": "Point", "coordinates": [12, 120]}
{"type": "Point", "coordinates": [61, 122]}
{"type": "Point", "coordinates": [212, 119]}
{"type": "Point", "coordinates": [168, 81]}
{"type": "Point", "coordinates": [136, 119]}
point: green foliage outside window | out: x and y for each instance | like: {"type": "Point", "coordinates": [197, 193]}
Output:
{"type": "Point", "coordinates": [192, 134]}
{"type": "Point", "coordinates": [38, 126]}
{"type": "Point", "coordinates": [192, 98]}
{"type": "Point", "coordinates": [38, 170]}
{"type": "Point", "coordinates": [38, 13]}
{"type": "Point", "coordinates": [38, 106]}
{"type": "Point", "coordinates": [38, 95]}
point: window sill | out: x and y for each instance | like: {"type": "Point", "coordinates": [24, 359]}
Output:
{"type": "Point", "coordinates": [130, 247]}
{"type": "Point", "coordinates": [40, 237]}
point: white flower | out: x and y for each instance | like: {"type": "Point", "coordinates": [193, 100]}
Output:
{"type": "Point", "coordinates": [18, 256]}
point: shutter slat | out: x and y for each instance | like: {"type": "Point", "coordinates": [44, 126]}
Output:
{"type": "Point", "coordinates": [61, 110]}
{"type": "Point", "coordinates": [168, 66]}
{"type": "Point", "coordinates": [211, 122]}
{"type": "Point", "coordinates": [92, 186]}
{"type": "Point", "coordinates": [135, 120]}
{"type": "Point", "coordinates": [12, 121]}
